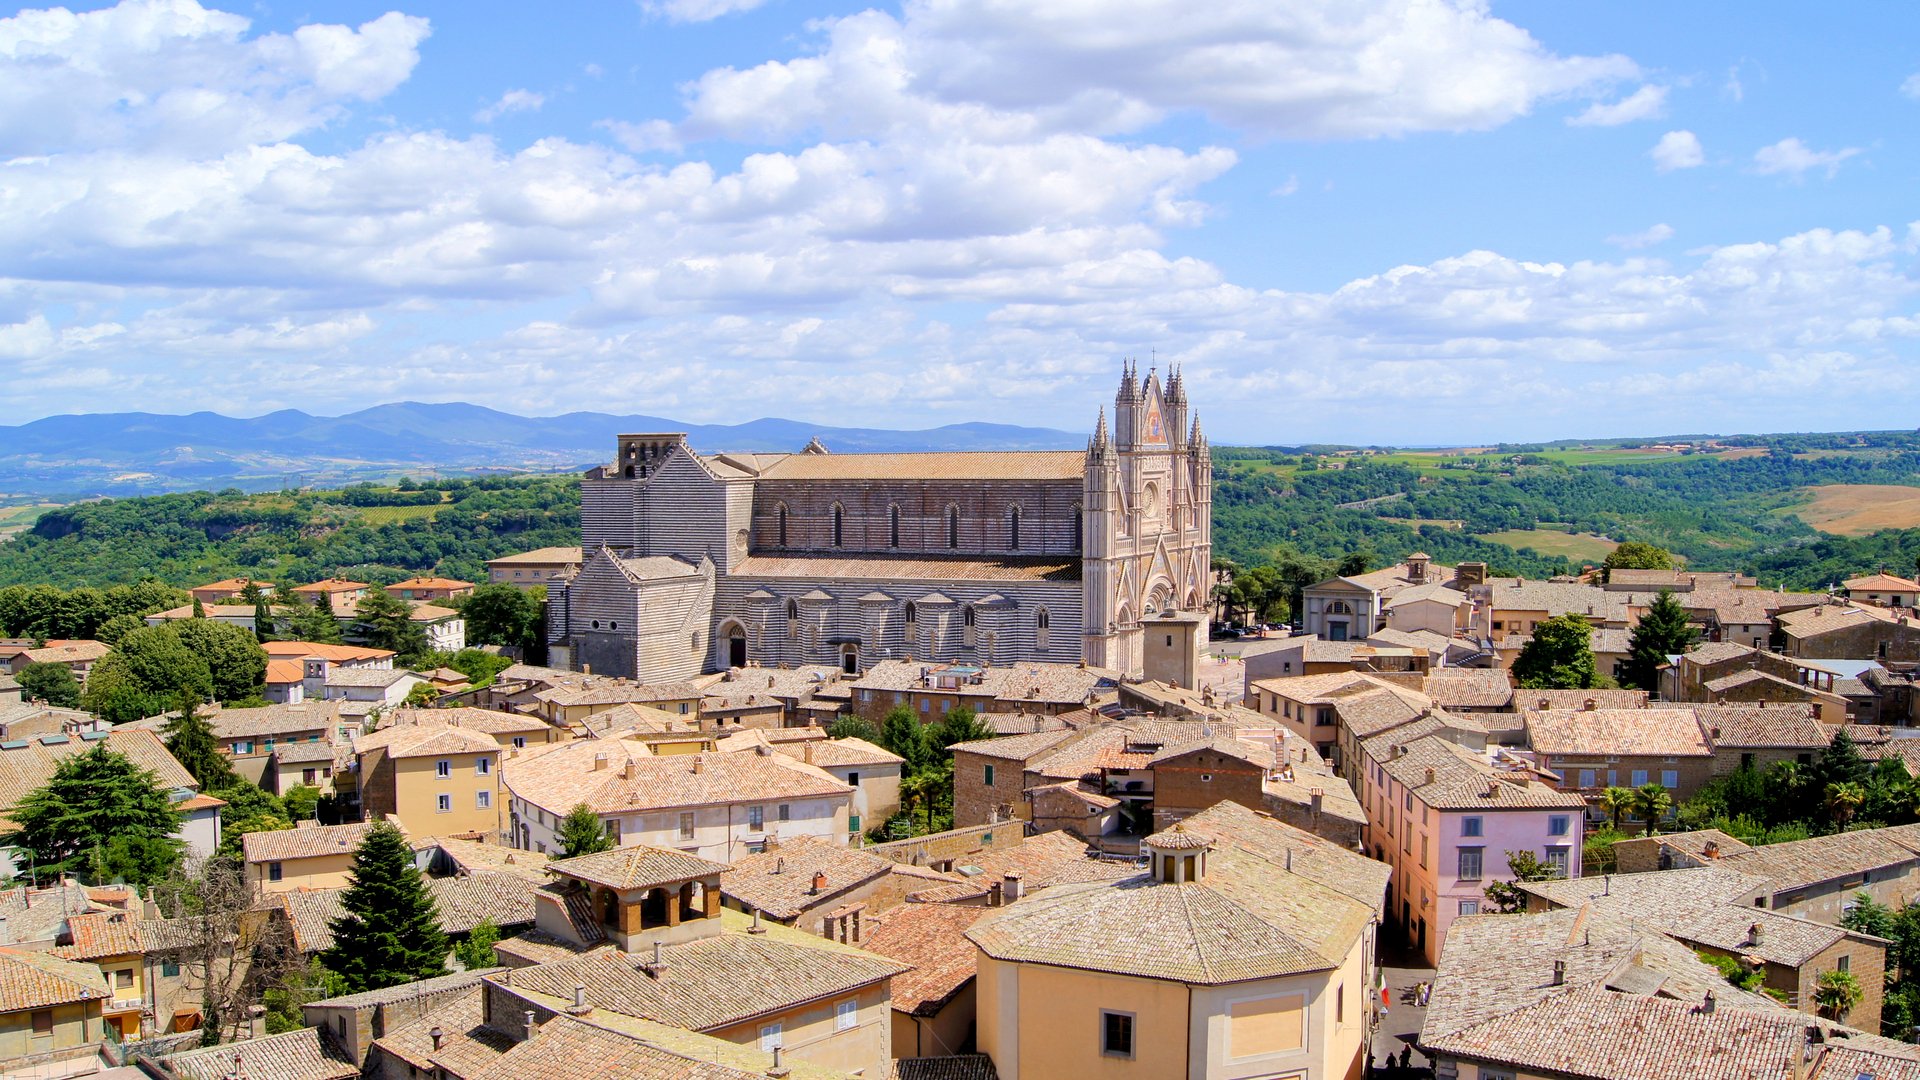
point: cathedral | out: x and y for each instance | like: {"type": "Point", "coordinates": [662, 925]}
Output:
{"type": "Point", "coordinates": [700, 562]}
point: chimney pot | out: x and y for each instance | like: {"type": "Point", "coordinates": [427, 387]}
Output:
{"type": "Point", "coordinates": [599, 762]}
{"type": "Point", "coordinates": [1559, 973]}
{"type": "Point", "coordinates": [806, 753]}
{"type": "Point", "coordinates": [756, 928]}
{"type": "Point", "coordinates": [526, 1020]}
{"type": "Point", "coordinates": [699, 764]}
{"type": "Point", "coordinates": [1011, 888]}
{"type": "Point", "coordinates": [819, 882]}
{"type": "Point", "coordinates": [436, 1035]}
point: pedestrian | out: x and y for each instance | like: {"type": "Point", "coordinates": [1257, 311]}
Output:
{"type": "Point", "coordinates": [1386, 1000]}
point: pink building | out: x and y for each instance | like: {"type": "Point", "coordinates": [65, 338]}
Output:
{"type": "Point", "coordinates": [1444, 816]}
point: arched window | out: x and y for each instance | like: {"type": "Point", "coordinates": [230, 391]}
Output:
{"type": "Point", "coordinates": [912, 616]}
{"type": "Point", "coordinates": [839, 525]}
{"type": "Point", "coordinates": [780, 513]}
{"type": "Point", "coordinates": [1079, 527]}
{"type": "Point", "coordinates": [967, 615]}
{"type": "Point", "coordinates": [953, 526]}
{"type": "Point", "coordinates": [1042, 624]}
{"type": "Point", "coordinates": [893, 526]}
{"type": "Point", "coordinates": [967, 628]}
{"type": "Point", "coordinates": [793, 609]}
{"type": "Point", "coordinates": [1013, 529]}
{"type": "Point", "coordinates": [1339, 607]}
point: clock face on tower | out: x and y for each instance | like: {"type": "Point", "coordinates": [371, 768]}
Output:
{"type": "Point", "coordinates": [1156, 428]}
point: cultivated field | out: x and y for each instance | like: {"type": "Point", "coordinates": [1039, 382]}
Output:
{"type": "Point", "coordinates": [1584, 547]}
{"type": "Point", "coordinates": [1858, 509]}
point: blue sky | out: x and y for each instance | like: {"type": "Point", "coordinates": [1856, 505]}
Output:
{"type": "Point", "coordinates": [1406, 221]}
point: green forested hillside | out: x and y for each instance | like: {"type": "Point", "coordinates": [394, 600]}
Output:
{"type": "Point", "coordinates": [375, 534]}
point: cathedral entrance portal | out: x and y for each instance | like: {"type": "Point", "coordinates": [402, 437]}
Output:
{"type": "Point", "coordinates": [736, 646]}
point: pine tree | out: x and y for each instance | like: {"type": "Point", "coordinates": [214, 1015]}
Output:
{"type": "Point", "coordinates": [902, 733]}
{"type": "Point", "coordinates": [199, 609]}
{"type": "Point", "coordinates": [390, 932]}
{"type": "Point", "coordinates": [385, 621]}
{"type": "Point", "coordinates": [98, 799]}
{"type": "Point", "coordinates": [1663, 632]}
{"type": "Point", "coordinates": [581, 833]}
{"type": "Point", "coordinates": [312, 622]}
{"type": "Point", "coordinates": [191, 741]}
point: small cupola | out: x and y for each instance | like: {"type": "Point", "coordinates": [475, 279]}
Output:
{"type": "Point", "coordinates": [1178, 856]}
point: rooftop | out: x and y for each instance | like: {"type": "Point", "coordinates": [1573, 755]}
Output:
{"type": "Point", "coordinates": [632, 780]}
{"type": "Point", "coordinates": [897, 568]}
{"type": "Point", "coordinates": [932, 938]}
{"type": "Point", "coordinates": [541, 557]}
{"type": "Point", "coordinates": [280, 845]}
{"type": "Point", "coordinates": [1617, 732]}
{"type": "Point", "coordinates": [36, 980]}
{"type": "Point", "coordinates": [306, 1054]}
{"type": "Point", "coordinates": [779, 881]}
{"type": "Point", "coordinates": [636, 867]}
{"type": "Point", "coordinates": [964, 465]}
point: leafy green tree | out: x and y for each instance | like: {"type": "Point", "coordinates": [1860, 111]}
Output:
{"type": "Point", "coordinates": [199, 609]}
{"type": "Point", "coordinates": [263, 623]}
{"type": "Point", "coordinates": [583, 833]}
{"type": "Point", "coordinates": [52, 683]}
{"type": "Point", "coordinates": [117, 627]}
{"type": "Point", "coordinates": [149, 671]}
{"type": "Point", "coordinates": [961, 725]}
{"type": "Point", "coordinates": [93, 798]}
{"type": "Point", "coordinates": [1507, 896]}
{"type": "Point", "coordinates": [302, 802]}
{"type": "Point", "coordinates": [389, 932]}
{"type": "Point", "coordinates": [1842, 802]}
{"type": "Point", "coordinates": [1617, 803]}
{"type": "Point", "coordinates": [479, 666]}
{"type": "Point", "coordinates": [475, 951]}
{"type": "Point", "coordinates": [1650, 804]}
{"type": "Point", "coordinates": [312, 622]}
{"type": "Point", "coordinates": [1356, 562]}
{"type": "Point", "coordinates": [421, 696]}
{"type": "Point", "coordinates": [235, 661]}
{"type": "Point", "coordinates": [852, 727]}
{"type": "Point", "coordinates": [902, 733]}
{"type": "Point", "coordinates": [1739, 974]}
{"type": "Point", "coordinates": [1634, 555]}
{"type": "Point", "coordinates": [504, 615]}
{"type": "Point", "coordinates": [1558, 657]}
{"type": "Point", "coordinates": [384, 621]}
{"type": "Point", "coordinates": [191, 741]}
{"type": "Point", "coordinates": [1662, 632]}
{"type": "Point", "coordinates": [284, 1002]}
{"type": "Point", "coordinates": [1868, 916]}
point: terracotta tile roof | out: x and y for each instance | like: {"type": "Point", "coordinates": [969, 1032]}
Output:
{"type": "Point", "coordinates": [465, 1037]}
{"type": "Point", "coordinates": [599, 690]}
{"type": "Point", "coordinates": [1478, 688]}
{"type": "Point", "coordinates": [1623, 732]}
{"type": "Point", "coordinates": [710, 982]}
{"type": "Point", "coordinates": [1602, 1034]}
{"type": "Point", "coordinates": [331, 585]}
{"type": "Point", "coordinates": [541, 556]}
{"type": "Point", "coordinates": [426, 738]}
{"type": "Point", "coordinates": [69, 652]}
{"type": "Point", "coordinates": [275, 720]}
{"type": "Point", "coordinates": [1843, 1061]}
{"type": "Point", "coordinates": [102, 934]}
{"type": "Point", "coordinates": [632, 718]}
{"type": "Point", "coordinates": [1718, 652]}
{"type": "Point", "coordinates": [26, 764]}
{"type": "Point", "coordinates": [840, 753]}
{"type": "Point", "coordinates": [491, 721]}
{"type": "Point", "coordinates": [306, 1054]}
{"type": "Point", "coordinates": [1051, 858]}
{"type": "Point", "coordinates": [636, 867]}
{"type": "Point", "coordinates": [210, 611]}
{"type": "Point", "coordinates": [1250, 917]}
{"type": "Point", "coordinates": [1738, 726]}
{"type": "Point", "coordinates": [1745, 605]}
{"type": "Point", "coordinates": [953, 1067]}
{"type": "Point", "coordinates": [1446, 776]}
{"type": "Point", "coordinates": [408, 991]}
{"type": "Point", "coordinates": [305, 753]}
{"type": "Point", "coordinates": [430, 583]}
{"type": "Point", "coordinates": [368, 677]}
{"type": "Point", "coordinates": [302, 650]}
{"type": "Point", "coordinates": [895, 568]}
{"type": "Point", "coordinates": [284, 672]}
{"type": "Point", "coordinates": [1367, 711]}
{"type": "Point", "coordinates": [1769, 682]}
{"type": "Point", "coordinates": [1577, 699]}
{"type": "Point", "coordinates": [471, 856]}
{"type": "Point", "coordinates": [281, 845]}
{"type": "Point", "coordinates": [1828, 618]}
{"type": "Point", "coordinates": [1015, 747]}
{"type": "Point", "coordinates": [965, 465]}
{"type": "Point", "coordinates": [931, 937]}
{"type": "Point", "coordinates": [232, 584]}
{"type": "Point", "coordinates": [563, 776]}
{"type": "Point", "coordinates": [463, 903]}
{"type": "Point", "coordinates": [1799, 863]}
{"type": "Point", "coordinates": [36, 980]}
{"type": "Point", "coordinates": [569, 1049]}
{"type": "Point", "coordinates": [1555, 598]}
{"type": "Point", "coordinates": [538, 947]}
{"type": "Point", "coordinates": [779, 881]}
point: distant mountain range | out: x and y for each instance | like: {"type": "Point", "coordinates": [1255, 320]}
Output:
{"type": "Point", "coordinates": [79, 456]}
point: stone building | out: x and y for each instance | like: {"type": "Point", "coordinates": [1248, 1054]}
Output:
{"type": "Point", "coordinates": [697, 562]}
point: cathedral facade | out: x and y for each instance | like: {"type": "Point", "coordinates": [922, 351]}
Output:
{"type": "Point", "coordinates": [700, 562]}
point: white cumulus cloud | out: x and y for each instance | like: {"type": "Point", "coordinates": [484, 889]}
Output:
{"type": "Point", "coordinates": [1645, 238]}
{"type": "Point", "coordinates": [690, 11]}
{"type": "Point", "coordinates": [513, 101]}
{"type": "Point", "coordinates": [1647, 103]}
{"type": "Point", "coordinates": [1791, 157]}
{"type": "Point", "coordinates": [1911, 86]}
{"type": "Point", "coordinates": [1677, 150]}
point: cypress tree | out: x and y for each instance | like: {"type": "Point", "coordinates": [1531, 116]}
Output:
{"type": "Point", "coordinates": [1663, 631]}
{"type": "Point", "coordinates": [191, 741]}
{"type": "Point", "coordinates": [390, 932]}
{"type": "Point", "coordinates": [262, 618]}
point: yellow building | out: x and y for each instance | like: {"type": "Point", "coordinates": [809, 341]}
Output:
{"type": "Point", "coordinates": [49, 1008]}
{"type": "Point", "coordinates": [1246, 950]}
{"type": "Point", "coordinates": [306, 857]}
{"type": "Point", "coordinates": [111, 941]}
{"type": "Point", "coordinates": [511, 730]}
{"type": "Point", "coordinates": [438, 779]}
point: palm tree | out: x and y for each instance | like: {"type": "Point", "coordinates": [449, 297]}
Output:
{"type": "Point", "coordinates": [1651, 801]}
{"type": "Point", "coordinates": [1616, 801]}
{"type": "Point", "coordinates": [1842, 800]}
{"type": "Point", "coordinates": [919, 790]}
{"type": "Point", "coordinates": [1837, 994]}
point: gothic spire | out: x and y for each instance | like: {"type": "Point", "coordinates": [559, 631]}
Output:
{"type": "Point", "coordinates": [1196, 438]}
{"type": "Point", "coordinates": [1176, 390]}
{"type": "Point", "coordinates": [1099, 445]}
{"type": "Point", "coordinates": [1129, 385]}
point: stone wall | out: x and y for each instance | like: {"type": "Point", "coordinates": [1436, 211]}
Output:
{"type": "Point", "coordinates": [1049, 516]}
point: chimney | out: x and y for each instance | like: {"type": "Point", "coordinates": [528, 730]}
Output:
{"type": "Point", "coordinates": [600, 762]}
{"type": "Point", "coordinates": [780, 865]}
{"type": "Point", "coordinates": [1707, 1003]}
{"type": "Point", "coordinates": [1754, 934]}
{"type": "Point", "coordinates": [1559, 973]}
{"type": "Point", "coordinates": [626, 771]}
{"type": "Point", "coordinates": [436, 1035]}
{"type": "Point", "coordinates": [1590, 705]}
{"type": "Point", "coordinates": [994, 898]}
{"type": "Point", "coordinates": [1430, 774]}
{"type": "Point", "coordinates": [806, 753]}
{"type": "Point", "coordinates": [527, 1024]}
{"type": "Point", "coordinates": [699, 765]}
{"type": "Point", "coordinates": [1317, 799]}
{"type": "Point", "coordinates": [1542, 703]}
{"type": "Point", "coordinates": [1289, 860]}
{"type": "Point", "coordinates": [256, 1021]}
{"type": "Point", "coordinates": [819, 883]}
{"type": "Point", "coordinates": [756, 928]}
{"type": "Point", "coordinates": [659, 962]}
{"type": "Point", "coordinates": [1712, 850]}
{"type": "Point", "coordinates": [580, 1006]}
{"type": "Point", "coordinates": [586, 669]}
{"type": "Point", "coordinates": [778, 1070]}
{"type": "Point", "coordinates": [1010, 887]}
